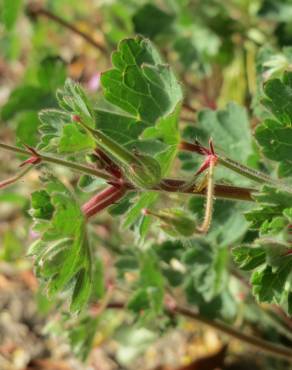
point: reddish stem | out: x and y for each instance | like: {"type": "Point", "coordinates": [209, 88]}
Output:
{"type": "Point", "coordinates": [222, 191]}
{"type": "Point", "coordinates": [99, 197]}
{"type": "Point", "coordinates": [14, 179]}
{"type": "Point", "coordinates": [103, 200]}
{"type": "Point", "coordinates": [190, 147]}
{"type": "Point", "coordinates": [108, 164]}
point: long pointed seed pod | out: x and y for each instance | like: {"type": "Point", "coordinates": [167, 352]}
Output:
{"type": "Point", "coordinates": [210, 198]}
{"type": "Point", "coordinates": [141, 170]}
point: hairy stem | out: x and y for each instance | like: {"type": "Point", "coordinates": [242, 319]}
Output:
{"type": "Point", "coordinates": [260, 344]}
{"type": "Point", "coordinates": [220, 191]}
{"type": "Point", "coordinates": [50, 159]}
{"type": "Point", "coordinates": [100, 197]}
{"type": "Point", "coordinates": [238, 167]}
{"type": "Point", "coordinates": [209, 201]}
{"type": "Point", "coordinates": [166, 185]}
{"type": "Point", "coordinates": [38, 11]}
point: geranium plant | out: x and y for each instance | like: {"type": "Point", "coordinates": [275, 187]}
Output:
{"type": "Point", "coordinates": [206, 226]}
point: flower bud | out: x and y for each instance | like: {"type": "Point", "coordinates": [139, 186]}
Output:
{"type": "Point", "coordinates": [145, 172]}
{"type": "Point", "coordinates": [175, 222]}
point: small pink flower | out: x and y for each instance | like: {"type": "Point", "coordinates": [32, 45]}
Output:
{"type": "Point", "coordinates": [94, 82]}
{"type": "Point", "coordinates": [33, 234]}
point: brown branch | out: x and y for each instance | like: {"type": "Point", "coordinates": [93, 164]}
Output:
{"type": "Point", "coordinates": [36, 10]}
{"type": "Point", "coordinates": [189, 108]}
{"type": "Point", "coordinates": [261, 344]}
{"type": "Point", "coordinates": [278, 310]}
{"type": "Point", "coordinates": [220, 191]}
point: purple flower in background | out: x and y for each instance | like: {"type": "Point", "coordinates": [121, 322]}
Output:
{"type": "Point", "coordinates": [33, 234]}
{"type": "Point", "coordinates": [94, 82]}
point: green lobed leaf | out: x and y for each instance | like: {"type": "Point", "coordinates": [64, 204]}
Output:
{"type": "Point", "coordinates": [274, 285]}
{"type": "Point", "coordinates": [59, 133]}
{"type": "Point", "coordinates": [152, 97]}
{"type": "Point", "coordinates": [42, 207]}
{"type": "Point", "coordinates": [276, 142]}
{"type": "Point", "coordinates": [271, 268]}
{"type": "Point", "coordinates": [74, 140]}
{"type": "Point", "coordinates": [142, 86]}
{"type": "Point", "coordinates": [73, 100]}
{"type": "Point", "coordinates": [62, 254]}
{"type": "Point", "coordinates": [122, 128]}
{"type": "Point", "coordinates": [140, 83]}
{"type": "Point", "coordinates": [248, 258]}
{"type": "Point", "coordinates": [273, 204]}
{"type": "Point", "coordinates": [275, 134]}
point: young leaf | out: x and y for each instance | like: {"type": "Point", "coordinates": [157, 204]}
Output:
{"type": "Point", "coordinates": [73, 99]}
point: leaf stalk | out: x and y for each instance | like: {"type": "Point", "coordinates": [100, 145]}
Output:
{"type": "Point", "coordinates": [166, 185]}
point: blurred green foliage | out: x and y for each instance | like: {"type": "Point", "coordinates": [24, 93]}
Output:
{"type": "Point", "coordinates": [218, 69]}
